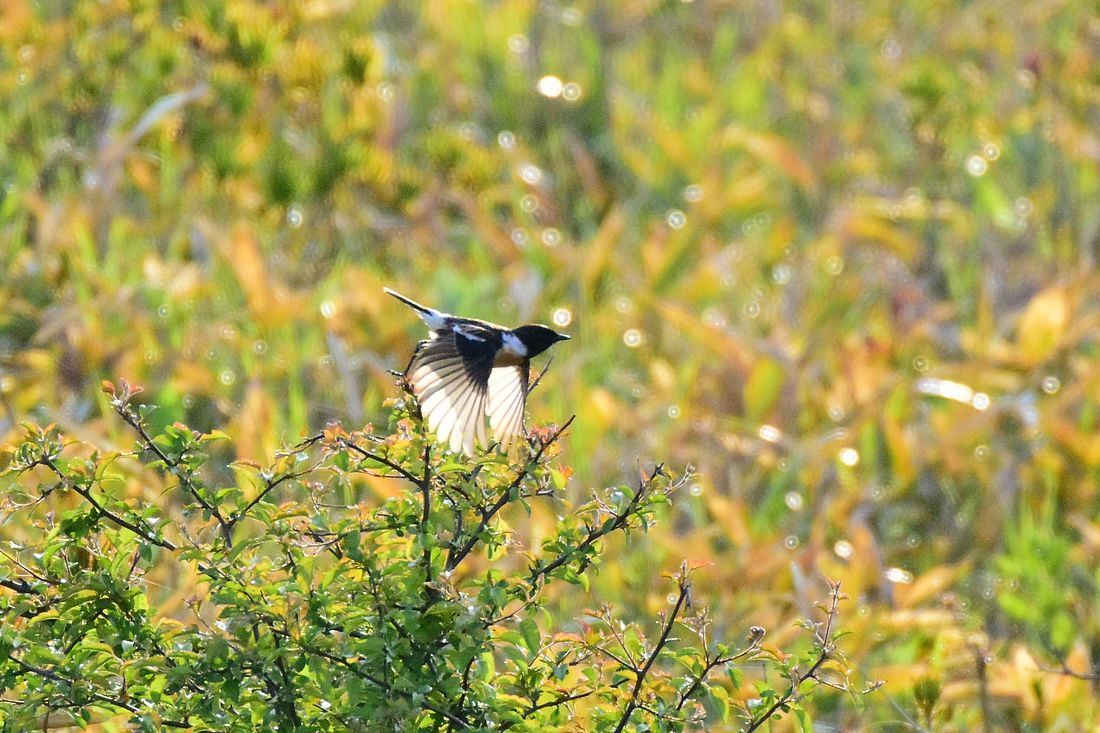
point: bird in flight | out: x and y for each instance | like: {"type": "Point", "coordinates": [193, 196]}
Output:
{"type": "Point", "coordinates": [469, 369]}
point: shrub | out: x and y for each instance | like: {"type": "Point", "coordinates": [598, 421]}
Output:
{"type": "Point", "coordinates": [362, 581]}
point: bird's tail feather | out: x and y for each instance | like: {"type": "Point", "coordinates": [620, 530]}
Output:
{"type": "Point", "coordinates": [409, 302]}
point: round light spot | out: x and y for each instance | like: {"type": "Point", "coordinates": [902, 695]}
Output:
{"type": "Point", "coordinates": [991, 151]}
{"type": "Point", "coordinates": [530, 174]}
{"type": "Point", "coordinates": [693, 193]}
{"type": "Point", "coordinates": [529, 203]}
{"type": "Point", "coordinates": [676, 219]}
{"type": "Point", "coordinates": [976, 165]}
{"type": "Point", "coordinates": [791, 542]}
{"type": "Point", "coordinates": [572, 91]}
{"type": "Point", "coordinates": [550, 86]}
{"type": "Point", "coordinates": [551, 237]}
{"type": "Point", "coordinates": [328, 309]}
{"type": "Point", "coordinates": [848, 456]}
{"type": "Point", "coordinates": [980, 401]}
{"type": "Point", "coordinates": [898, 575]}
{"type": "Point", "coordinates": [294, 217]}
{"type": "Point", "coordinates": [696, 489]}
{"type": "Point", "coordinates": [891, 49]}
{"type": "Point", "coordinates": [506, 139]}
{"type": "Point", "coordinates": [770, 433]}
{"type": "Point", "coordinates": [751, 309]}
{"type": "Point", "coordinates": [794, 501]}
{"type": "Point", "coordinates": [519, 237]}
{"type": "Point", "coordinates": [834, 265]}
{"type": "Point", "coordinates": [1051, 384]}
{"type": "Point", "coordinates": [781, 274]}
{"type": "Point", "coordinates": [632, 337]}
{"type": "Point", "coordinates": [844, 549]}
{"type": "Point", "coordinates": [518, 43]}
{"type": "Point", "coordinates": [562, 317]}
{"type": "Point", "coordinates": [673, 411]}
{"type": "Point", "coordinates": [227, 377]}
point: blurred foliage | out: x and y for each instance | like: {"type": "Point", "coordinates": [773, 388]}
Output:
{"type": "Point", "coordinates": [841, 258]}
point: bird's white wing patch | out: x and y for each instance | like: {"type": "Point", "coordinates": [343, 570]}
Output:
{"type": "Point", "coordinates": [514, 346]}
{"type": "Point", "coordinates": [451, 391]}
{"type": "Point", "coordinates": [506, 401]}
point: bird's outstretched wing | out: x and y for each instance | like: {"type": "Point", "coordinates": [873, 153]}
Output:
{"type": "Point", "coordinates": [450, 375]}
{"type": "Point", "coordinates": [507, 400]}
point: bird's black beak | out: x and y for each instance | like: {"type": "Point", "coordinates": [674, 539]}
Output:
{"type": "Point", "coordinates": [563, 337]}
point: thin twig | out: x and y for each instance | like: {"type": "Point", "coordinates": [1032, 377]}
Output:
{"type": "Point", "coordinates": [542, 374]}
{"type": "Point", "coordinates": [269, 486]}
{"type": "Point", "coordinates": [640, 674]}
{"type": "Point", "coordinates": [826, 644]}
{"type": "Point", "coordinates": [392, 465]}
{"type": "Point", "coordinates": [754, 644]}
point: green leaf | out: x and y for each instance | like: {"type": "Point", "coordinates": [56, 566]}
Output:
{"type": "Point", "coordinates": [532, 636]}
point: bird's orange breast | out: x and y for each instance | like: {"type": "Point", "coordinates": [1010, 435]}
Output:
{"type": "Point", "coordinates": [505, 358]}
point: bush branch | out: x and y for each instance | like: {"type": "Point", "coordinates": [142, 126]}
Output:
{"type": "Point", "coordinates": [620, 520]}
{"type": "Point", "coordinates": [825, 641]}
{"type": "Point", "coordinates": [459, 552]}
{"type": "Point", "coordinates": [123, 409]}
{"type": "Point", "coordinates": [103, 511]}
{"type": "Point", "coordinates": [640, 674]}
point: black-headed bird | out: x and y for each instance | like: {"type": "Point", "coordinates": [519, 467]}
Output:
{"type": "Point", "coordinates": [469, 369]}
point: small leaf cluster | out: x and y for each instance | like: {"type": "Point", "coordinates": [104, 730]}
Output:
{"type": "Point", "coordinates": [363, 580]}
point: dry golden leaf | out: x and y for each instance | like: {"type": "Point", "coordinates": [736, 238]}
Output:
{"type": "Point", "coordinates": [602, 407]}
{"type": "Point", "coordinates": [729, 516]}
{"type": "Point", "coordinates": [762, 388]}
{"type": "Point", "coordinates": [929, 584]}
{"type": "Point", "coordinates": [1042, 325]}
{"type": "Point", "coordinates": [1086, 446]}
{"type": "Point", "coordinates": [772, 149]}
{"type": "Point", "coordinates": [866, 225]}
{"type": "Point", "coordinates": [247, 261]}
{"type": "Point", "coordinates": [910, 619]}
{"type": "Point", "coordinates": [736, 354]}
{"type": "Point", "coordinates": [900, 676]}
{"type": "Point", "coordinates": [901, 452]}
{"type": "Point", "coordinates": [253, 424]}
{"type": "Point", "coordinates": [601, 247]}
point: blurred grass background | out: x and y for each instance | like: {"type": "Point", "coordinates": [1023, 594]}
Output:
{"type": "Point", "coordinates": [840, 257]}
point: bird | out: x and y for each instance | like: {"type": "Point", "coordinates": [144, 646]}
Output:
{"type": "Point", "coordinates": [468, 369]}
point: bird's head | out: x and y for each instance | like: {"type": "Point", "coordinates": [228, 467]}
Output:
{"type": "Point", "coordinates": [538, 338]}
